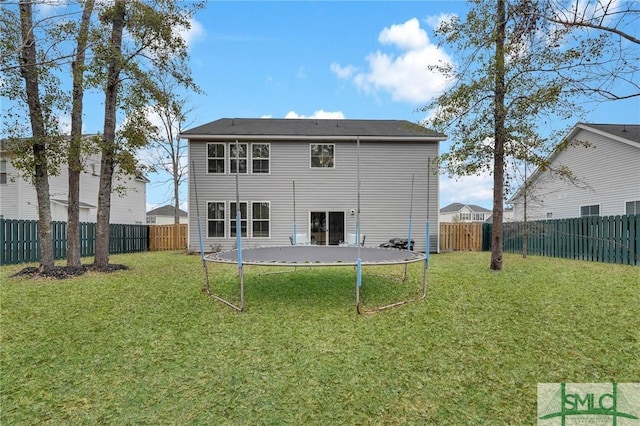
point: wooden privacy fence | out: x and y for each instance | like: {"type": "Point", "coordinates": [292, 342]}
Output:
{"type": "Point", "coordinates": [460, 236]}
{"type": "Point", "coordinates": [168, 237]}
{"type": "Point", "coordinates": [610, 239]}
{"type": "Point", "coordinates": [19, 240]}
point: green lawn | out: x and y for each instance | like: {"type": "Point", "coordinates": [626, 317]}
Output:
{"type": "Point", "coordinates": [147, 346]}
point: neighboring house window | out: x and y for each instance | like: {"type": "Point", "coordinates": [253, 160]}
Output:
{"type": "Point", "coordinates": [633, 207]}
{"type": "Point", "coordinates": [260, 158]}
{"type": "Point", "coordinates": [478, 216]}
{"type": "Point", "coordinates": [151, 220]}
{"type": "Point", "coordinates": [593, 210]}
{"type": "Point", "coordinates": [465, 216]}
{"type": "Point", "coordinates": [322, 155]}
{"type": "Point", "coordinates": [215, 219]}
{"type": "Point", "coordinates": [3, 171]}
{"type": "Point", "coordinates": [238, 160]}
{"type": "Point", "coordinates": [243, 219]}
{"type": "Point", "coordinates": [215, 157]}
{"type": "Point", "coordinates": [260, 219]}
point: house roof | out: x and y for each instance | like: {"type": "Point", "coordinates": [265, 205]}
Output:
{"type": "Point", "coordinates": [80, 203]}
{"type": "Point", "coordinates": [166, 211]}
{"type": "Point", "coordinates": [293, 129]}
{"type": "Point", "coordinates": [624, 133]}
{"type": "Point", "coordinates": [630, 132]}
{"type": "Point", "coordinates": [456, 207]}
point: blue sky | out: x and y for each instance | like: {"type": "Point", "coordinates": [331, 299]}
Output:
{"type": "Point", "coordinates": [327, 59]}
{"type": "Point", "coordinates": [353, 60]}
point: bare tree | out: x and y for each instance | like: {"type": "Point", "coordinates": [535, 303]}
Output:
{"type": "Point", "coordinates": [167, 152]}
{"type": "Point", "coordinates": [609, 68]}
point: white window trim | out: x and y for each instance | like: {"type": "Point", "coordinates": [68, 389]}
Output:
{"type": "Point", "coordinates": [261, 220]}
{"type": "Point", "coordinates": [224, 159]}
{"type": "Point", "coordinates": [233, 220]}
{"type": "Point", "coordinates": [624, 206]}
{"type": "Point", "coordinates": [232, 159]}
{"type": "Point", "coordinates": [224, 220]}
{"type": "Point", "coordinates": [334, 157]}
{"type": "Point", "coordinates": [589, 205]}
{"type": "Point", "coordinates": [250, 154]}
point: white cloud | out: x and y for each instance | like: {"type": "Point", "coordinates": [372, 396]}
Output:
{"type": "Point", "coordinates": [318, 114]}
{"type": "Point", "coordinates": [436, 21]}
{"type": "Point", "coordinates": [476, 189]}
{"type": "Point", "coordinates": [402, 72]}
{"type": "Point", "coordinates": [343, 72]}
{"type": "Point", "coordinates": [193, 34]}
{"type": "Point", "coordinates": [407, 36]}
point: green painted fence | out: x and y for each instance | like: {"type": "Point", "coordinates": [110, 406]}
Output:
{"type": "Point", "coordinates": [610, 239]}
{"type": "Point", "coordinates": [19, 240]}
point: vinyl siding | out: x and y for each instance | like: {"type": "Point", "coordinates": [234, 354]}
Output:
{"type": "Point", "coordinates": [9, 192]}
{"type": "Point", "coordinates": [607, 174]}
{"type": "Point", "coordinates": [19, 201]}
{"type": "Point", "coordinates": [386, 171]}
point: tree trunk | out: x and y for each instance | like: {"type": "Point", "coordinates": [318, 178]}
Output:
{"type": "Point", "coordinates": [500, 139]}
{"type": "Point", "coordinates": [75, 143]}
{"type": "Point", "coordinates": [109, 148]}
{"type": "Point", "coordinates": [29, 72]}
{"type": "Point", "coordinates": [176, 192]}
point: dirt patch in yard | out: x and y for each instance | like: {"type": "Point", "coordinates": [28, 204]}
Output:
{"type": "Point", "coordinates": [64, 272]}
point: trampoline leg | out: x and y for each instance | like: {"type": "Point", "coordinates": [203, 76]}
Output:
{"type": "Point", "coordinates": [358, 283]}
{"type": "Point", "coordinates": [424, 278]}
{"type": "Point", "coordinates": [241, 289]}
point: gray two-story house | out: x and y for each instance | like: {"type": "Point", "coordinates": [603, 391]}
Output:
{"type": "Point", "coordinates": [302, 174]}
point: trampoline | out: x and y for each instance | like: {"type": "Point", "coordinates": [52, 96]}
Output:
{"type": "Point", "coordinates": [317, 256]}
{"type": "Point", "coordinates": [312, 255]}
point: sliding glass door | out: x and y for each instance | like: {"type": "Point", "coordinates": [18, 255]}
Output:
{"type": "Point", "coordinates": [327, 228]}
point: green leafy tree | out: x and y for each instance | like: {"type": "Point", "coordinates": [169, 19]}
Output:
{"type": "Point", "coordinates": [74, 153]}
{"type": "Point", "coordinates": [30, 82]}
{"type": "Point", "coordinates": [509, 92]}
{"type": "Point", "coordinates": [127, 67]}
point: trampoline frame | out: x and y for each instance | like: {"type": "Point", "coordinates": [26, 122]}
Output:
{"type": "Point", "coordinates": [404, 257]}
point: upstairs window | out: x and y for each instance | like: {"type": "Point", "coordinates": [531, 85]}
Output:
{"type": "Point", "coordinates": [322, 156]}
{"type": "Point", "coordinates": [238, 157]}
{"type": "Point", "coordinates": [260, 158]}
{"type": "Point", "coordinates": [215, 219]}
{"type": "Point", "coordinates": [593, 210]}
{"type": "Point", "coordinates": [633, 207]}
{"type": "Point", "coordinates": [243, 219]}
{"type": "Point", "coordinates": [215, 157]}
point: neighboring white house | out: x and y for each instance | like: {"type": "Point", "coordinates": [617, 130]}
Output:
{"type": "Point", "coordinates": [606, 176]}
{"type": "Point", "coordinates": [165, 215]}
{"type": "Point", "coordinates": [321, 159]}
{"type": "Point", "coordinates": [18, 197]}
{"type": "Point", "coordinates": [459, 212]}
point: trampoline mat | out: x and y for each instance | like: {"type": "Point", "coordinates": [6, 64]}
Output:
{"type": "Point", "coordinates": [316, 256]}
